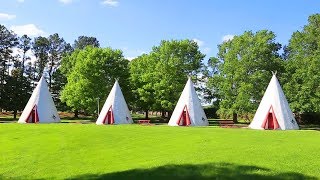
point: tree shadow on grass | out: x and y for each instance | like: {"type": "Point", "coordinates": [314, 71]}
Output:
{"type": "Point", "coordinates": [202, 171]}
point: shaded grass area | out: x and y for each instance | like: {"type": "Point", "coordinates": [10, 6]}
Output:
{"type": "Point", "coordinates": [88, 151]}
{"type": "Point", "coordinates": [197, 171]}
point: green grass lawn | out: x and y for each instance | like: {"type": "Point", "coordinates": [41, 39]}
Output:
{"type": "Point", "coordinates": [88, 151]}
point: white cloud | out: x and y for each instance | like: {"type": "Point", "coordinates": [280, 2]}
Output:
{"type": "Point", "coordinates": [4, 16]}
{"type": "Point", "coordinates": [130, 58]}
{"type": "Point", "coordinates": [113, 3]}
{"type": "Point", "coordinates": [227, 37]}
{"type": "Point", "coordinates": [28, 29]}
{"type": "Point", "coordinates": [198, 41]}
{"type": "Point", "coordinates": [66, 1]}
{"type": "Point", "coordinates": [20, 1]}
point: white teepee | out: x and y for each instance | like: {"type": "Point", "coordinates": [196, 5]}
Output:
{"type": "Point", "coordinates": [188, 111]}
{"type": "Point", "coordinates": [115, 109]}
{"type": "Point", "coordinates": [274, 111]}
{"type": "Point", "coordinates": [40, 107]}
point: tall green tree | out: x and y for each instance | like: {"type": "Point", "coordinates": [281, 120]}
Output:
{"type": "Point", "coordinates": [303, 68]}
{"type": "Point", "coordinates": [159, 77]}
{"type": "Point", "coordinates": [17, 92]}
{"type": "Point", "coordinates": [93, 75]}
{"type": "Point", "coordinates": [8, 40]}
{"type": "Point", "coordinates": [57, 47]}
{"type": "Point", "coordinates": [84, 41]}
{"type": "Point", "coordinates": [40, 48]}
{"type": "Point", "coordinates": [142, 79]}
{"type": "Point", "coordinates": [243, 70]}
{"type": "Point", "coordinates": [25, 45]}
{"type": "Point", "coordinates": [176, 60]}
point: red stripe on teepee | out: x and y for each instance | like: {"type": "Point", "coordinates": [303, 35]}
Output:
{"type": "Point", "coordinates": [36, 115]}
{"type": "Point", "coordinates": [188, 122]}
{"type": "Point", "coordinates": [275, 120]}
{"type": "Point", "coordinates": [112, 118]}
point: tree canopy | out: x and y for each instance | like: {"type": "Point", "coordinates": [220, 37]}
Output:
{"type": "Point", "coordinates": [159, 77]}
{"type": "Point", "coordinates": [244, 69]}
{"type": "Point", "coordinates": [92, 76]}
{"type": "Point", "coordinates": [303, 68]}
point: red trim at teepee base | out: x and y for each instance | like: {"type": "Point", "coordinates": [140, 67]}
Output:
{"type": "Point", "coordinates": [109, 119]}
{"type": "Point", "coordinates": [270, 121]}
{"type": "Point", "coordinates": [33, 115]}
{"type": "Point", "coordinates": [184, 117]}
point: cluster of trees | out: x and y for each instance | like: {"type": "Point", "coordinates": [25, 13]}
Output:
{"type": "Point", "coordinates": [19, 71]}
{"type": "Point", "coordinates": [81, 74]}
{"type": "Point", "coordinates": [242, 70]}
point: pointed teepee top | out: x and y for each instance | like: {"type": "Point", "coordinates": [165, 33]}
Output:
{"type": "Point", "coordinates": [42, 82]}
{"type": "Point", "coordinates": [116, 88]}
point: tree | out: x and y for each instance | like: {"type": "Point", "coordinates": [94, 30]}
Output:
{"type": "Point", "coordinates": [17, 92]}
{"type": "Point", "coordinates": [142, 79]}
{"type": "Point", "coordinates": [93, 75]}
{"type": "Point", "coordinates": [59, 82]}
{"type": "Point", "coordinates": [303, 68]}
{"type": "Point", "coordinates": [176, 60]}
{"type": "Point", "coordinates": [84, 41]}
{"type": "Point", "coordinates": [8, 40]}
{"type": "Point", "coordinates": [243, 70]}
{"type": "Point", "coordinates": [57, 47]}
{"type": "Point", "coordinates": [40, 47]}
{"type": "Point", "coordinates": [25, 45]}
{"type": "Point", "coordinates": [159, 77]}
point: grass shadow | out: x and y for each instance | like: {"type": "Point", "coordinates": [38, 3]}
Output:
{"type": "Point", "coordinates": [202, 171]}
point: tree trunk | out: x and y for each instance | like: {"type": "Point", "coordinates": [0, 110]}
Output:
{"type": "Point", "coordinates": [169, 114]}
{"type": "Point", "coordinates": [147, 113]}
{"type": "Point", "coordinates": [163, 114]}
{"type": "Point", "coordinates": [15, 114]}
{"type": "Point", "coordinates": [50, 73]}
{"type": "Point", "coordinates": [235, 117]}
{"type": "Point", "coordinates": [76, 114]}
{"type": "Point", "coordinates": [23, 59]}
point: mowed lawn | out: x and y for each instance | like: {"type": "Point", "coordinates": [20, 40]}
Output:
{"type": "Point", "coordinates": [88, 151]}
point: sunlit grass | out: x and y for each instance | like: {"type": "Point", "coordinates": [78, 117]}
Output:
{"type": "Point", "coordinates": [74, 150]}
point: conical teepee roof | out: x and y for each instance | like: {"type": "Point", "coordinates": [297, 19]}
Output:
{"type": "Point", "coordinates": [117, 104]}
{"type": "Point", "coordinates": [190, 103]}
{"type": "Point", "coordinates": [42, 101]}
{"type": "Point", "coordinates": [275, 102]}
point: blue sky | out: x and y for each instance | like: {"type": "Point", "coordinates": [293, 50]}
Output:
{"type": "Point", "coordinates": [136, 25]}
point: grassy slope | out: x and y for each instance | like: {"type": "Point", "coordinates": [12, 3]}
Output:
{"type": "Point", "coordinates": [61, 151]}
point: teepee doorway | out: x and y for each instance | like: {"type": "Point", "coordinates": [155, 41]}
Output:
{"type": "Point", "coordinates": [33, 116]}
{"type": "Point", "coordinates": [109, 117]}
{"type": "Point", "coordinates": [270, 121]}
{"type": "Point", "coordinates": [184, 119]}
